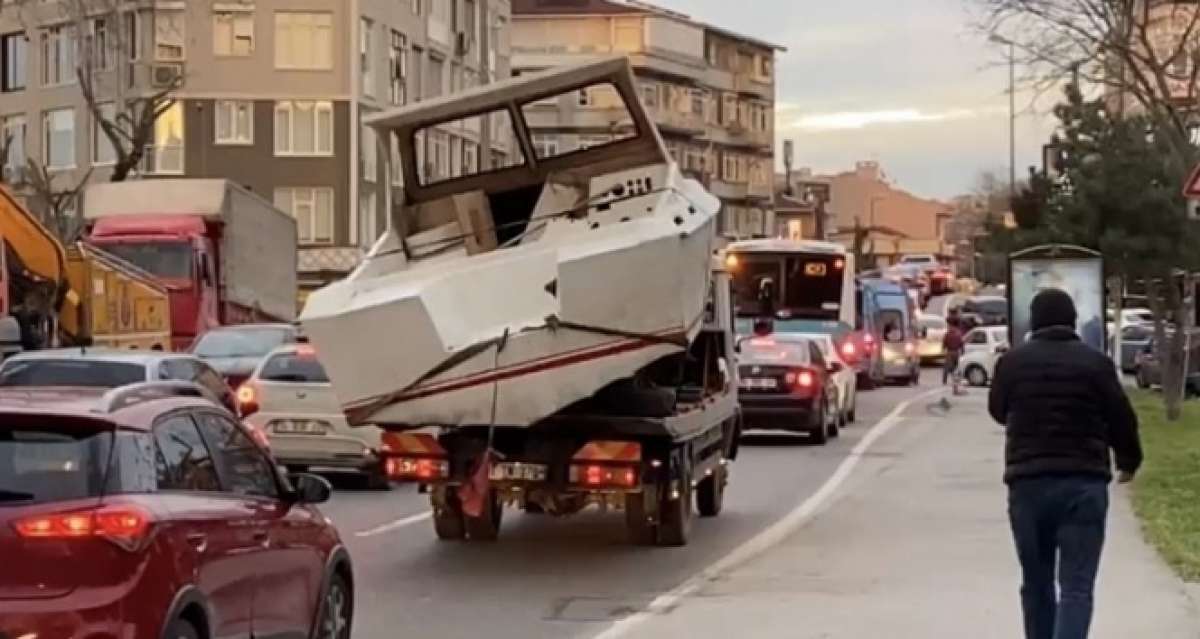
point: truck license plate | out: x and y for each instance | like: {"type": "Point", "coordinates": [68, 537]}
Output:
{"type": "Point", "coordinates": [759, 383]}
{"type": "Point", "coordinates": [516, 471]}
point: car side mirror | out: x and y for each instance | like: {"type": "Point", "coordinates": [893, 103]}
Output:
{"type": "Point", "coordinates": [310, 489]}
{"type": "Point", "coordinates": [836, 367]}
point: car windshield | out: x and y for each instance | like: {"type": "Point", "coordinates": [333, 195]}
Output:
{"type": "Point", "coordinates": [293, 367]}
{"type": "Point", "coordinates": [834, 329]}
{"type": "Point", "coordinates": [41, 463]}
{"type": "Point", "coordinates": [766, 349]}
{"type": "Point", "coordinates": [933, 322]}
{"type": "Point", "coordinates": [170, 260]}
{"type": "Point", "coordinates": [997, 306]}
{"type": "Point", "coordinates": [87, 373]}
{"type": "Point", "coordinates": [240, 343]}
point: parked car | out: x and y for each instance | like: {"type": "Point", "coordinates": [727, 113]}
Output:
{"type": "Point", "coordinates": [931, 331]}
{"type": "Point", "coordinates": [289, 399]}
{"type": "Point", "coordinates": [142, 512]}
{"type": "Point", "coordinates": [982, 348]}
{"type": "Point", "coordinates": [786, 384]}
{"type": "Point", "coordinates": [985, 311]}
{"type": "Point", "coordinates": [108, 369]}
{"type": "Point", "coordinates": [235, 351]}
{"type": "Point", "coordinates": [1148, 369]}
{"type": "Point", "coordinates": [1134, 340]}
{"type": "Point", "coordinates": [845, 378]}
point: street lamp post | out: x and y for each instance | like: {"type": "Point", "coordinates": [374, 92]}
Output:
{"type": "Point", "coordinates": [1012, 111]}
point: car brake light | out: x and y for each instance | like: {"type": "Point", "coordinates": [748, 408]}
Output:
{"type": "Point", "coordinates": [909, 348]}
{"type": "Point", "coordinates": [247, 397]}
{"type": "Point", "coordinates": [306, 351]}
{"type": "Point", "coordinates": [125, 526]}
{"type": "Point", "coordinates": [799, 379]}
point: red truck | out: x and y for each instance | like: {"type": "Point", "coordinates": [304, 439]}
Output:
{"type": "Point", "coordinates": [226, 255]}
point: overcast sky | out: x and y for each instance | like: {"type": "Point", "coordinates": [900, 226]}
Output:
{"type": "Point", "coordinates": [908, 84]}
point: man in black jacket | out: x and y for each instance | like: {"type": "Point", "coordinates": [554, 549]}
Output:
{"type": "Point", "coordinates": [1064, 409]}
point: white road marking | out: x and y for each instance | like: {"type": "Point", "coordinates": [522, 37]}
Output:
{"type": "Point", "coordinates": [395, 525]}
{"type": "Point", "coordinates": [773, 535]}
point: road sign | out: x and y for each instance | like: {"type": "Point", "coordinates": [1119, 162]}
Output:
{"type": "Point", "coordinates": [1191, 188]}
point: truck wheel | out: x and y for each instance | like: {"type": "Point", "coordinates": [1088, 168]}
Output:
{"type": "Point", "coordinates": [486, 527]}
{"type": "Point", "coordinates": [448, 521]}
{"type": "Point", "coordinates": [676, 514]}
{"type": "Point", "coordinates": [710, 494]}
{"type": "Point", "coordinates": [637, 521]}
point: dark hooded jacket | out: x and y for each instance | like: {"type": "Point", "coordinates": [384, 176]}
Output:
{"type": "Point", "coordinates": [1061, 402]}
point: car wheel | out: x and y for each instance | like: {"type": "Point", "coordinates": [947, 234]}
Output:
{"type": "Point", "coordinates": [976, 376]}
{"type": "Point", "coordinates": [181, 629]}
{"type": "Point", "coordinates": [449, 524]}
{"type": "Point", "coordinates": [820, 432]}
{"type": "Point", "coordinates": [337, 609]}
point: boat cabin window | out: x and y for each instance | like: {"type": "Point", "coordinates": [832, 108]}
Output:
{"type": "Point", "coordinates": [590, 117]}
{"type": "Point", "coordinates": [450, 150]}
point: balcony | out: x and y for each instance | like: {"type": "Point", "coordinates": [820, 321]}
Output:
{"type": "Point", "coordinates": [673, 121]}
{"type": "Point", "coordinates": [749, 84]}
{"type": "Point", "coordinates": [739, 191]}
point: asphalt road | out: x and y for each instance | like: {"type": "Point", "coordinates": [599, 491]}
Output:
{"type": "Point", "coordinates": [568, 577]}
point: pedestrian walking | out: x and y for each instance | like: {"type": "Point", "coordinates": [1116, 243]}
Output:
{"type": "Point", "coordinates": [1064, 410]}
{"type": "Point", "coordinates": [952, 346]}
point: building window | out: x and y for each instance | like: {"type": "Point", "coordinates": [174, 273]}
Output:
{"type": "Point", "coordinates": [303, 128]}
{"type": "Point", "coordinates": [235, 122]}
{"type": "Point", "coordinates": [729, 110]}
{"type": "Point", "coordinates": [397, 167]}
{"type": "Point", "coordinates": [133, 35]}
{"type": "Point", "coordinates": [58, 56]}
{"type": "Point", "coordinates": [470, 157]}
{"type": "Point", "coordinates": [165, 155]}
{"type": "Point", "coordinates": [15, 52]}
{"type": "Point", "coordinates": [303, 41]}
{"type": "Point", "coordinates": [13, 129]}
{"type": "Point", "coordinates": [729, 169]}
{"type": "Point", "coordinates": [365, 61]}
{"type": "Point", "coordinates": [439, 155]}
{"type": "Point", "coordinates": [368, 217]}
{"type": "Point", "coordinates": [418, 72]}
{"type": "Point", "coordinates": [585, 98]}
{"type": "Point", "coordinates": [169, 36]}
{"type": "Point", "coordinates": [370, 154]}
{"type": "Point", "coordinates": [765, 67]}
{"type": "Point", "coordinates": [416, 7]}
{"type": "Point", "coordinates": [437, 77]}
{"type": "Point", "coordinates": [103, 151]}
{"type": "Point", "coordinates": [697, 103]}
{"type": "Point", "coordinates": [398, 69]}
{"type": "Point", "coordinates": [313, 209]}
{"type": "Point", "coordinates": [58, 138]}
{"type": "Point", "coordinates": [101, 46]}
{"type": "Point", "coordinates": [650, 95]}
{"type": "Point", "coordinates": [545, 145]}
{"type": "Point", "coordinates": [233, 33]}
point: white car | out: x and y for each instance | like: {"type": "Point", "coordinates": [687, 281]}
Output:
{"type": "Point", "coordinates": [290, 400]}
{"type": "Point", "coordinates": [932, 332]}
{"type": "Point", "coordinates": [844, 378]}
{"type": "Point", "coordinates": [983, 347]}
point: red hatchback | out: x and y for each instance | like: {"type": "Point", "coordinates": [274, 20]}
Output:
{"type": "Point", "coordinates": [146, 513]}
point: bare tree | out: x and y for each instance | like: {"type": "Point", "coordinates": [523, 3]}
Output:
{"type": "Point", "coordinates": [1144, 54]}
{"type": "Point", "coordinates": [108, 38]}
{"type": "Point", "coordinates": [58, 203]}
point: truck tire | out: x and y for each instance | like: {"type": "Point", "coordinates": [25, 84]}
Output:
{"type": "Point", "coordinates": [675, 515]}
{"type": "Point", "coordinates": [710, 493]}
{"type": "Point", "coordinates": [487, 526]}
{"type": "Point", "coordinates": [448, 520]}
{"type": "Point", "coordinates": [642, 532]}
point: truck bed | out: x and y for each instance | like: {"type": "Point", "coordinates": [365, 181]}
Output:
{"type": "Point", "coordinates": [692, 420]}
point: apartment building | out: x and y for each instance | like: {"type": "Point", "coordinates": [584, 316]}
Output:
{"type": "Point", "coordinates": [272, 96]}
{"type": "Point", "coordinates": [710, 91]}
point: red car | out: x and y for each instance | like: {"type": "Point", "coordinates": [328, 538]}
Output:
{"type": "Point", "coordinates": [148, 512]}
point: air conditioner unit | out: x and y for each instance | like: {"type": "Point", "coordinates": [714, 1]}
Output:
{"type": "Point", "coordinates": [166, 76]}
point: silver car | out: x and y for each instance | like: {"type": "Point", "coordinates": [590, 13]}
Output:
{"type": "Point", "coordinates": [931, 331]}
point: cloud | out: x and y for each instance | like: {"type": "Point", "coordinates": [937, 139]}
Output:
{"type": "Point", "coordinates": [843, 120]}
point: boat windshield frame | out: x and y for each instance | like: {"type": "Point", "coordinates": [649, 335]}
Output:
{"type": "Point", "coordinates": [645, 147]}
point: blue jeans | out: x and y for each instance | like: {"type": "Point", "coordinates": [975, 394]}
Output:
{"type": "Point", "coordinates": [1058, 526]}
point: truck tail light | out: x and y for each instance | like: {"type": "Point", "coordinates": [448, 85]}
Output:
{"type": "Point", "coordinates": [416, 457]}
{"type": "Point", "coordinates": [124, 525]}
{"type": "Point", "coordinates": [604, 475]}
{"type": "Point", "coordinates": [247, 399]}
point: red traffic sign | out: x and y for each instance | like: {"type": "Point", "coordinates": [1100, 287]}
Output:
{"type": "Point", "coordinates": [1191, 188]}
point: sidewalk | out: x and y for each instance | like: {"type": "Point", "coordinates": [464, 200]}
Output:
{"type": "Point", "coordinates": [917, 545]}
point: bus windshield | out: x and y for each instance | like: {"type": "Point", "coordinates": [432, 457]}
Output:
{"type": "Point", "coordinates": [791, 285]}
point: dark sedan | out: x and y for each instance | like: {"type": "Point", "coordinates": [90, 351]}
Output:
{"type": "Point", "coordinates": [1148, 369]}
{"type": "Point", "coordinates": [786, 384]}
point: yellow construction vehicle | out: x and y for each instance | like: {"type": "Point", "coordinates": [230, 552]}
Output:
{"type": "Point", "coordinates": [52, 295]}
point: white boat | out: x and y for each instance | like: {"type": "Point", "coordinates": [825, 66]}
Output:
{"type": "Point", "coordinates": [502, 297]}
